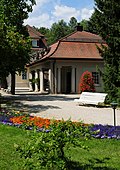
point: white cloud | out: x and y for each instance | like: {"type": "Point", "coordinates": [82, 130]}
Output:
{"type": "Point", "coordinates": [40, 21]}
{"type": "Point", "coordinates": [86, 13]}
{"type": "Point", "coordinates": [47, 12]}
{"type": "Point", "coordinates": [65, 12]}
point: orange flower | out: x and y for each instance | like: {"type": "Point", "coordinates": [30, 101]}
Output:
{"type": "Point", "coordinates": [36, 121]}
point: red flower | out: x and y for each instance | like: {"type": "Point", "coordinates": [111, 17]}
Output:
{"type": "Point", "coordinates": [86, 82]}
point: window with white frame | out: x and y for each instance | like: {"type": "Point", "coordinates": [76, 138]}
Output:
{"type": "Point", "coordinates": [96, 78]}
{"type": "Point", "coordinates": [24, 75]}
{"type": "Point", "coordinates": [35, 43]}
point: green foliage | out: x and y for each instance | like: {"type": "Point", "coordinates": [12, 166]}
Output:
{"type": "Point", "coordinates": [92, 24]}
{"type": "Point", "coordinates": [46, 150]}
{"type": "Point", "coordinates": [37, 81]}
{"type": "Point", "coordinates": [72, 24]}
{"type": "Point", "coordinates": [14, 42]}
{"type": "Point", "coordinates": [86, 83]}
{"type": "Point", "coordinates": [15, 11]}
{"type": "Point", "coordinates": [106, 156]}
{"type": "Point", "coordinates": [84, 23]}
{"type": "Point", "coordinates": [58, 30]}
{"type": "Point", "coordinates": [107, 19]}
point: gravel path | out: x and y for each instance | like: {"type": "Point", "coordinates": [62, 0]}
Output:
{"type": "Point", "coordinates": [63, 106]}
{"type": "Point", "coordinates": [70, 110]}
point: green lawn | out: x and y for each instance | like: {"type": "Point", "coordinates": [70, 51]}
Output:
{"type": "Point", "coordinates": [9, 159]}
{"type": "Point", "coordinates": [103, 154]}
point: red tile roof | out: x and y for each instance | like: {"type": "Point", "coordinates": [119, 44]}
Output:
{"type": "Point", "coordinates": [82, 35]}
{"type": "Point", "coordinates": [76, 50]}
{"type": "Point", "coordinates": [78, 45]}
{"type": "Point", "coordinates": [33, 33]}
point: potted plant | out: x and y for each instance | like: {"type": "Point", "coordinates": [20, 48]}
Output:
{"type": "Point", "coordinates": [32, 81]}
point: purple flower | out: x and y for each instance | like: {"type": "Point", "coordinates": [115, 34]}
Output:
{"type": "Point", "coordinates": [105, 131]}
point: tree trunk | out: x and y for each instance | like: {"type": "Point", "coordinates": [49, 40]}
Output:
{"type": "Point", "coordinates": [13, 83]}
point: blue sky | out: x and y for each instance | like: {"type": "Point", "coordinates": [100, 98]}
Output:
{"type": "Point", "coordinates": [47, 12]}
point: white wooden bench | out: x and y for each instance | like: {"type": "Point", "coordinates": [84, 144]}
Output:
{"type": "Point", "coordinates": [91, 98]}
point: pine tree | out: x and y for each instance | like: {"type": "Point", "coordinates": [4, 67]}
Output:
{"type": "Point", "coordinates": [108, 24]}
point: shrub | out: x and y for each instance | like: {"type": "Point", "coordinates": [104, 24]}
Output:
{"type": "Point", "coordinates": [47, 150]}
{"type": "Point", "coordinates": [86, 83]}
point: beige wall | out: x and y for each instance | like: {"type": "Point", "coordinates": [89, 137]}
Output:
{"type": "Point", "coordinates": [82, 66]}
{"type": "Point", "coordinates": [19, 82]}
{"type": "Point", "coordinates": [79, 66]}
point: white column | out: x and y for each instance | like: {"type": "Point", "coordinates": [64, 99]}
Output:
{"type": "Point", "coordinates": [50, 81]}
{"type": "Point", "coordinates": [36, 76]}
{"type": "Point", "coordinates": [55, 79]}
{"type": "Point", "coordinates": [41, 81]}
{"type": "Point", "coordinates": [9, 82]}
{"type": "Point", "coordinates": [73, 80]}
{"type": "Point", "coordinates": [30, 84]}
{"type": "Point", "coordinates": [59, 80]}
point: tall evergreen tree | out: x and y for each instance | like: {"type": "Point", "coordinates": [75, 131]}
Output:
{"type": "Point", "coordinates": [108, 23]}
{"type": "Point", "coordinates": [72, 24]}
{"type": "Point", "coordinates": [92, 24]}
{"type": "Point", "coordinates": [58, 30]}
{"type": "Point", "coordinates": [84, 23]}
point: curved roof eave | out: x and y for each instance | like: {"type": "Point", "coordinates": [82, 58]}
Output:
{"type": "Point", "coordinates": [53, 49]}
{"type": "Point", "coordinates": [47, 56]}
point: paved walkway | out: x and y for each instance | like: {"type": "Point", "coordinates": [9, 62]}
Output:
{"type": "Point", "coordinates": [63, 106]}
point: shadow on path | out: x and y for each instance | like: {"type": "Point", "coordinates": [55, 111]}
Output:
{"type": "Point", "coordinates": [32, 108]}
{"type": "Point", "coordinates": [39, 97]}
{"type": "Point", "coordinates": [16, 102]}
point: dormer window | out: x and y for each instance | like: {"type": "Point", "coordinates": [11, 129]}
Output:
{"type": "Point", "coordinates": [35, 43]}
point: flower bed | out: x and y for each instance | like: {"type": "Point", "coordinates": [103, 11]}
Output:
{"type": "Point", "coordinates": [106, 131]}
{"type": "Point", "coordinates": [22, 119]}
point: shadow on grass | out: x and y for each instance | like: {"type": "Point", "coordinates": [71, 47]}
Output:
{"type": "Point", "coordinates": [94, 164]}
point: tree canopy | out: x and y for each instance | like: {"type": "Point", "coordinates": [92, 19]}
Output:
{"type": "Point", "coordinates": [107, 20]}
{"type": "Point", "coordinates": [14, 44]}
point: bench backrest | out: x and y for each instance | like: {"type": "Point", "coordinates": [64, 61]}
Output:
{"type": "Point", "coordinates": [92, 97]}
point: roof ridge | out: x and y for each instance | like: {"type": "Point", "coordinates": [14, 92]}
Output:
{"type": "Point", "coordinates": [35, 31]}
{"type": "Point", "coordinates": [67, 35]}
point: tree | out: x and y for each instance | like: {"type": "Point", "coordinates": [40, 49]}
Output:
{"type": "Point", "coordinates": [72, 24]}
{"type": "Point", "coordinates": [92, 24]}
{"type": "Point", "coordinates": [43, 30]}
{"type": "Point", "coordinates": [15, 44]}
{"type": "Point", "coordinates": [84, 23]}
{"type": "Point", "coordinates": [19, 47]}
{"type": "Point", "coordinates": [108, 23]}
{"type": "Point", "coordinates": [58, 30]}
{"type": "Point", "coordinates": [47, 33]}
